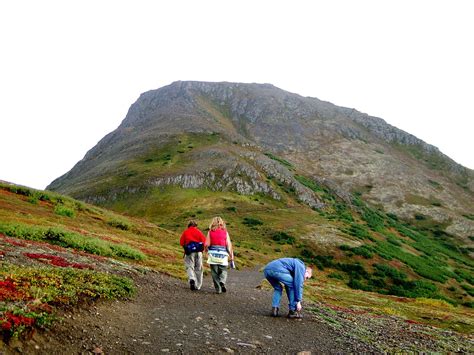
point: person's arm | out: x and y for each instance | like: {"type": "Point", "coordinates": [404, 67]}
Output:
{"type": "Point", "coordinates": [202, 238]}
{"type": "Point", "coordinates": [207, 242]}
{"type": "Point", "coordinates": [182, 239]}
{"type": "Point", "coordinates": [298, 281]}
{"type": "Point", "coordinates": [230, 249]}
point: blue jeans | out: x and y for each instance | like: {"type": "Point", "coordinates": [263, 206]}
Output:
{"type": "Point", "coordinates": [276, 279]}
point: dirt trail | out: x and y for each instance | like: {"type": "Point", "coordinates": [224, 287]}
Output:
{"type": "Point", "coordinates": [165, 316]}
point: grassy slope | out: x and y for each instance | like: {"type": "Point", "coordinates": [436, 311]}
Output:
{"type": "Point", "coordinates": [261, 229]}
{"type": "Point", "coordinates": [351, 243]}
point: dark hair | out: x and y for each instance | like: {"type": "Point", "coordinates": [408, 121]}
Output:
{"type": "Point", "coordinates": [192, 223]}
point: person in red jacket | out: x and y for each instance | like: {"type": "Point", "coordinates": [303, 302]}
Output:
{"type": "Point", "coordinates": [192, 240]}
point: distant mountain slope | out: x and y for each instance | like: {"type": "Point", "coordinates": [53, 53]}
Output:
{"type": "Point", "coordinates": [226, 136]}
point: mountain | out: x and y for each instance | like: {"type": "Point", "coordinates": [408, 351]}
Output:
{"type": "Point", "coordinates": [385, 219]}
{"type": "Point", "coordinates": [368, 204]}
{"type": "Point", "coordinates": [252, 138]}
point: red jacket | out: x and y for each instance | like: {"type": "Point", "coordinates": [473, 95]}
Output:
{"type": "Point", "coordinates": [192, 234]}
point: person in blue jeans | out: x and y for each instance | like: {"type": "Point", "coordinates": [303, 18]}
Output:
{"type": "Point", "coordinates": [292, 273]}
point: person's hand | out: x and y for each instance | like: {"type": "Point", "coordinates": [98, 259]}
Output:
{"type": "Point", "coordinates": [299, 307]}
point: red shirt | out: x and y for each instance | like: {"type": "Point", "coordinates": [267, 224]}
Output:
{"type": "Point", "coordinates": [218, 237]}
{"type": "Point", "coordinates": [192, 234]}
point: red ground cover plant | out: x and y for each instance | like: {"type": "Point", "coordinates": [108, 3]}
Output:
{"type": "Point", "coordinates": [56, 260]}
{"type": "Point", "coordinates": [8, 291]}
{"type": "Point", "coordinates": [10, 322]}
{"type": "Point", "coordinates": [409, 321]}
{"type": "Point", "coordinates": [13, 241]}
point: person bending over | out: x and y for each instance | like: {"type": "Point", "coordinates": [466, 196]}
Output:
{"type": "Point", "coordinates": [291, 273]}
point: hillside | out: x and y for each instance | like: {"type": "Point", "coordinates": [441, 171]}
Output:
{"type": "Point", "coordinates": [223, 137]}
{"type": "Point", "coordinates": [270, 162]}
{"type": "Point", "coordinates": [63, 261]}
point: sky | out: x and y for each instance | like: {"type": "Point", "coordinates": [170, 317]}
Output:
{"type": "Point", "coordinates": [69, 70]}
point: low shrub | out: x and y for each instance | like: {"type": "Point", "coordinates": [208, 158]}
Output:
{"type": "Point", "coordinates": [355, 271]}
{"type": "Point", "coordinates": [41, 288]}
{"type": "Point", "coordinates": [423, 266]}
{"type": "Point", "coordinates": [64, 211]}
{"type": "Point", "coordinates": [468, 289]}
{"type": "Point", "coordinates": [364, 250]}
{"type": "Point", "coordinates": [383, 270]}
{"type": "Point", "coordinates": [73, 240]}
{"type": "Point", "coordinates": [251, 222]}
{"type": "Point", "coordinates": [465, 275]}
{"type": "Point", "coordinates": [345, 247]}
{"type": "Point", "coordinates": [359, 231]}
{"type": "Point", "coordinates": [283, 238]}
{"type": "Point", "coordinates": [280, 160]}
{"type": "Point", "coordinates": [120, 224]}
{"type": "Point", "coordinates": [414, 289]}
{"type": "Point", "coordinates": [335, 275]}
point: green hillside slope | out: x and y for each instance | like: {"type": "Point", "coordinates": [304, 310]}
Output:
{"type": "Point", "coordinates": [57, 252]}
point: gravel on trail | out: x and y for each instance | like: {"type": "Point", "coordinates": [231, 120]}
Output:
{"type": "Point", "coordinates": [166, 316]}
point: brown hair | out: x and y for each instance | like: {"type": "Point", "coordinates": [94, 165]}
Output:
{"type": "Point", "coordinates": [192, 223]}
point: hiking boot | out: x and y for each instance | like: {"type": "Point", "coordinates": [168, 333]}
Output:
{"type": "Point", "coordinates": [223, 287]}
{"type": "Point", "coordinates": [192, 285]}
{"type": "Point", "coordinates": [294, 315]}
{"type": "Point", "coordinates": [275, 311]}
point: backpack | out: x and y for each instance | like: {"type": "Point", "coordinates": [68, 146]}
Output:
{"type": "Point", "coordinates": [193, 247]}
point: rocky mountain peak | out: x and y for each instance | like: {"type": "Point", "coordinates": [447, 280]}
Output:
{"type": "Point", "coordinates": [184, 124]}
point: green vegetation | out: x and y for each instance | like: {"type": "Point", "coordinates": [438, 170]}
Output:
{"type": "Point", "coordinates": [28, 294]}
{"type": "Point", "coordinates": [394, 257]}
{"type": "Point", "coordinates": [67, 239]}
{"type": "Point", "coordinates": [64, 211]}
{"type": "Point", "coordinates": [280, 160]}
{"type": "Point", "coordinates": [358, 230]}
{"type": "Point", "coordinates": [283, 238]}
{"type": "Point", "coordinates": [321, 191]}
{"type": "Point", "coordinates": [120, 223]}
{"type": "Point", "coordinates": [252, 222]}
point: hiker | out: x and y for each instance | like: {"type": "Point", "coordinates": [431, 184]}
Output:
{"type": "Point", "coordinates": [291, 273]}
{"type": "Point", "coordinates": [219, 252]}
{"type": "Point", "coordinates": [192, 240]}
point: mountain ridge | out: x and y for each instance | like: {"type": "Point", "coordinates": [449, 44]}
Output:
{"type": "Point", "coordinates": [342, 147]}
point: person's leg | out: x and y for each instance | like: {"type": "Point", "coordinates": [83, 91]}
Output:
{"type": "Point", "coordinates": [277, 289]}
{"type": "Point", "coordinates": [198, 270]}
{"type": "Point", "coordinates": [223, 277]}
{"type": "Point", "coordinates": [189, 264]}
{"type": "Point", "coordinates": [215, 277]}
{"type": "Point", "coordinates": [287, 281]}
{"type": "Point", "coordinates": [291, 298]}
